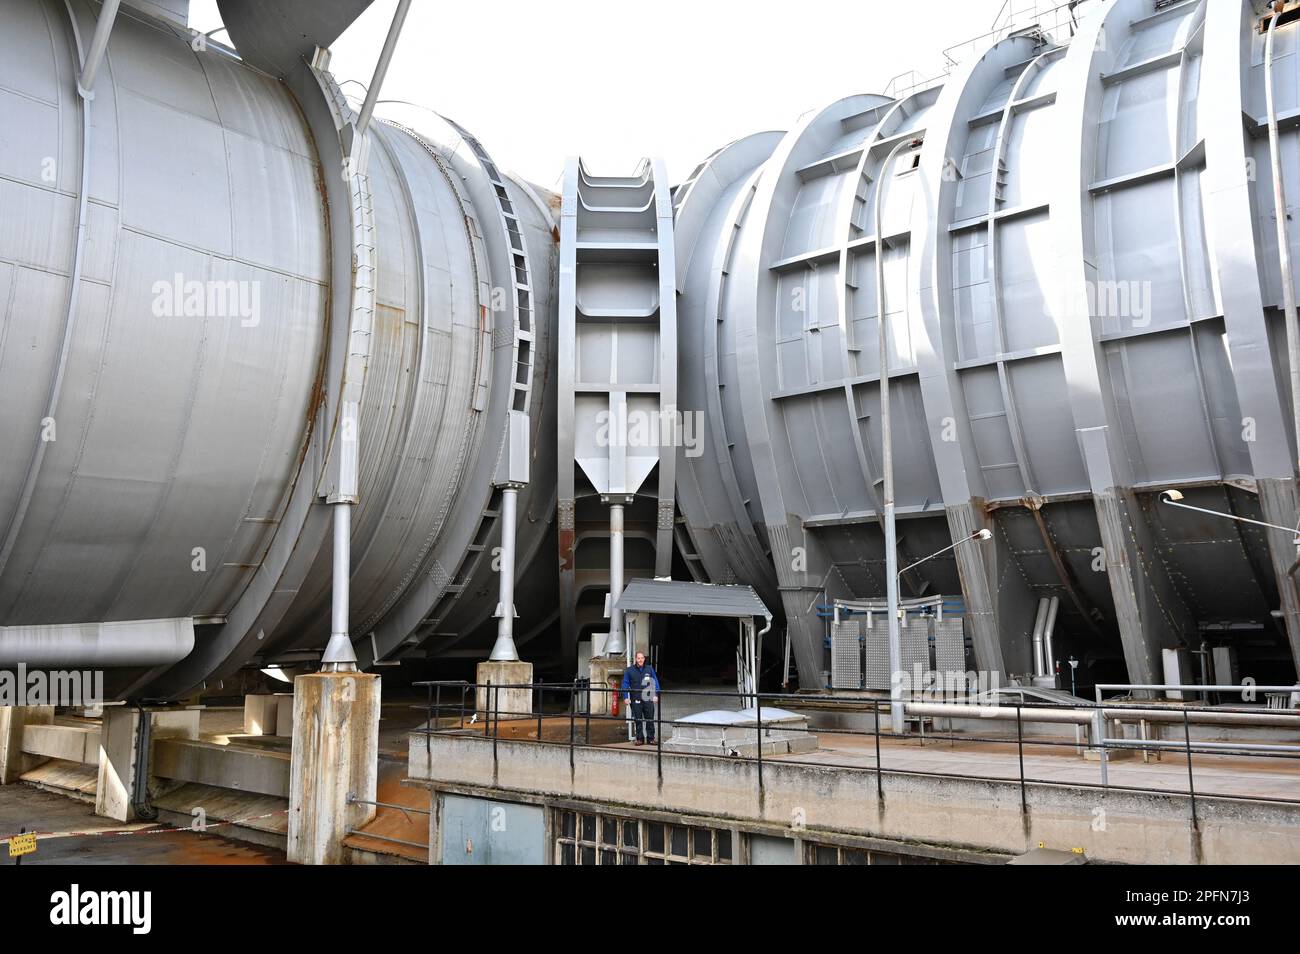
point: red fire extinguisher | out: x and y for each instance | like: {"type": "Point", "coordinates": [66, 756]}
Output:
{"type": "Point", "coordinates": [613, 706]}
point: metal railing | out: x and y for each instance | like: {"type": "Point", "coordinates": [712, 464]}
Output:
{"type": "Point", "coordinates": [1055, 22]}
{"type": "Point", "coordinates": [406, 810]}
{"type": "Point", "coordinates": [562, 699]}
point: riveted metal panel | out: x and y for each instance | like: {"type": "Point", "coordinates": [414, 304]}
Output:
{"type": "Point", "coordinates": [846, 655]}
{"type": "Point", "coordinates": [949, 646]}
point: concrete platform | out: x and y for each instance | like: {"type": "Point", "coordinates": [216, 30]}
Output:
{"type": "Point", "coordinates": [67, 820]}
{"type": "Point", "coordinates": [1214, 774]}
{"type": "Point", "coordinates": [954, 796]}
{"type": "Point", "coordinates": [263, 819]}
{"type": "Point", "coordinates": [65, 778]}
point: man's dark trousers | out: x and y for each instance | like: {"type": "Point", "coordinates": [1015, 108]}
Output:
{"type": "Point", "coordinates": [643, 716]}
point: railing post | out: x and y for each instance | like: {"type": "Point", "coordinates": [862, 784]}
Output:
{"type": "Point", "coordinates": [1020, 747]}
{"type": "Point", "coordinates": [1099, 730]}
{"type": "Point", "coordinates": [1191, 785]}
{"type": "Point", "coordinates": [433, 722]}
{"type": "Point", "coordinates": [496, 725]}
{"type": "Point", "coordinates": [539, 692]}
{"type": "Point", "coordinates": [758, 714]}
{"type": "Point", "coordinates": [573, 718]}
{"type": "Point", "coordinates": [659, 738]}
{"type": "Point", "coordinates": [463, 690]}
{"type": "Point", "coordinates": [880, 785]}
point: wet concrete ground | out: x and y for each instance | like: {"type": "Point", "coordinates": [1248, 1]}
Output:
{"type": "Point", "coordinates": [23, 805]}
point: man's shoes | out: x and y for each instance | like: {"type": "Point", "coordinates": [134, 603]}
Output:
{"type": "Point", "coordinates": [640, 741]}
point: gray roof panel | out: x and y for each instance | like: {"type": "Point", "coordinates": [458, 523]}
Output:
{"type": "Point", "coordinates": [679, 598]}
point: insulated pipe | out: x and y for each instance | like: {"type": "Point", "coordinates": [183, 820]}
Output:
{"type": "Point", "coordinates": [1049, 660]}
{"type": "Point", "coordinates": [1084, 716]}
{"type": "Point", "coordinates": [758, 652]}
{"type": "Point", "coordinates": [887, 455]}
{"type": "Point", "coordinates": [381, 68]}
{"type": "Point", "coordinates": [1040, 619]}
{"type": "Point", "coordinates": [339, 654]}
{"type": "Point", "coordinates": [1225, 747]}
{"type": "Point", "coordinates": [1265, 717]}
{"type": "Point", "coordinates": [958, 710]}
{"type": "Point", "coordinates": [98, 44]}
{"type": "Point", "coordinates": [1283, 239]}
{"type": "Point", "coordinates": [614, 646]}
{"type": "Point", "coordinates": [140, 643]}
{"type": "Point", "coordinates": [505, 650]}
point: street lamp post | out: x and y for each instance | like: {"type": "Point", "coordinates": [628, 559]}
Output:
{"type": "Point", "coordinates": [887, 441]}
{"type": "Point", "coordinates": [1174, 499]}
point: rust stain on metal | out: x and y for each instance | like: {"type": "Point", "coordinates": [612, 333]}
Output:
{"type": "Point", "coordinates": [567, 541]}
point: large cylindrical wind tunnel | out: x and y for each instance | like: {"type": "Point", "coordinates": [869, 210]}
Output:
{"type": "Point", "coordinates": [226, 314]}
{"type": "Point", "coordinates": [247, 303]}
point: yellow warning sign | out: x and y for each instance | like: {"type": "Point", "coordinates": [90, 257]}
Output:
{"type": "Point", "coordinates": [20, 845]}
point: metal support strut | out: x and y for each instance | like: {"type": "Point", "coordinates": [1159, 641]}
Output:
{"type": "Point", "coordinates": [339, 655]}
{"type": "Point", "coordinates": [615, 645]}
{"type": "Point", "coordinates": [98, 46]}
{"type": "Point", "coordinates": [504, 650]}
{"type": "Point", "coordinates": [381, 68]}
{"type": "Point", "coordinates": [887, 455]}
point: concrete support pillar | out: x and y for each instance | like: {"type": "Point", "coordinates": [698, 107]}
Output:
{"type": "Point", "coordinates": [508, 702]}
{"type": "Point", "coordinates": [335, 754]}
{"type": "Point", "coordinates": [118, 753]}
{"type": "Point", "coordinates": [13, 721]}
{"type": "Point", "coordinates": [260, 713]}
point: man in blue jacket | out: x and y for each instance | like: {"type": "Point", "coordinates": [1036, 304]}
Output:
{"type": "Point", "coordinates": [641, 692]}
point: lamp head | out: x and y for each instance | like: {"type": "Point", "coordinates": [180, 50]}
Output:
{"type": "Point", "coordinates": [984, 534]}
{"type": "Point", "coordinates": [1171, 496]}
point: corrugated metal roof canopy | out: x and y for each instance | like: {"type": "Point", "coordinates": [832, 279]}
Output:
{"type": "Point", "coordinates": [679, 598]}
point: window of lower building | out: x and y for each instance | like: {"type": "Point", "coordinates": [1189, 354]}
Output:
{"type": "Point", "coordinates": [845, 855]}
{"type": "Point", "coordinates": [591, 838]}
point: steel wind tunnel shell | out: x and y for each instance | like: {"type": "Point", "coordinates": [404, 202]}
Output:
{"type": "Point", "coordinates": [1084, 308]}
{"type": "Point", "coordinates": [203, 302]}
{"type": "Point", "coordinates": [233, 279]}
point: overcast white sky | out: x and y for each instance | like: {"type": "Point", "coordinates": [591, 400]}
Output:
{"type": "Point", "coordinates": [538, 80]}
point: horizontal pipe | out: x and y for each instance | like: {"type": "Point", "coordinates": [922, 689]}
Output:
{"type": "Point", "coordinates": [1197, 746]}
{"type": "Point", "coordinates": [960, 710]}
{"type": "Point", "coordinates": [126, 643]}
{"type": "Point", "coordinates": [1106, 686]}
{"type": "Point", "coordinates": [1202, 717]}
{"type": "Point", "coordinates": [1084, 716]}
